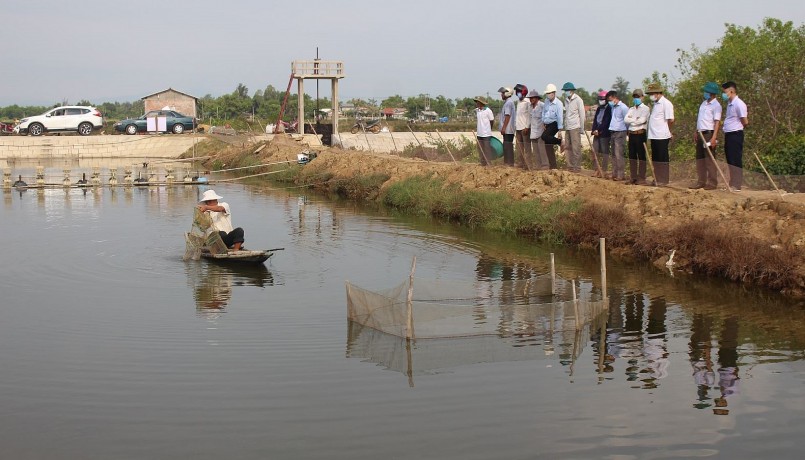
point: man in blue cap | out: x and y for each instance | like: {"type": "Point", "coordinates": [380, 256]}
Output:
{"type": "Point", "coordinates": [574, 123]}
{"type": "Point", "coordinates": [707, 125]}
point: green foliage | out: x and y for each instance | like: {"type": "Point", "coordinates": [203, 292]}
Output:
{"type": "Point", "coordinates": [787, 157]}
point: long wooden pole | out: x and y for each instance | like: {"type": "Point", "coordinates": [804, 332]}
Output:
{"type": "Point", "coordinates": [595, 156]}
{"type": "Point", "coordinates": [713, 159]}
{"type": "Point", "coordinates": [553, 276]}
{"type": "Point", "coordinates": [410, 306]}
{"type": "Point", "coordinates": [769, 176]}
{"type": "Point", "coordinates": [602, 246]}
{"type": "Point", "coordinates": [650, 163]}
{"type": "Point", "coordinates": [445, 145]}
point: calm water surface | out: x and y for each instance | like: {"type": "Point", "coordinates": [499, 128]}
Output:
{"type": "Point", "coordinates": [114, 348]}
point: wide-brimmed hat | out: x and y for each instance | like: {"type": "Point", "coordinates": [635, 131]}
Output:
{"type": "Point", "coordinates": [568, 87]}
{"type": "Point", "coordinates": [534, 93]}
{"type": "Point", "coordinates": [551, 88]}
{"type": "Point", "coordinates": [654, 88]}
{"type": "Point", "coordinates": [480, 100]}
{"type": "Point", "coordinates": [711, 87]}
{"type": "Point", "coordinates": [209, 195]}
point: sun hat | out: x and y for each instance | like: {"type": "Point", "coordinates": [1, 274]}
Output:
{"type": "Point", "coordinates": [506, 91]}
{"type": "Point", "coordinates": [534, 93]}
{"type": "Point", "coordinates": [551, 88]}
{"type": "Point", "coordinates": [568, 87]}
{"type": "Point", "coordinates": [481, 100]}
{"type": "Point", "coordinates": [654, 88]}
{"type": "Point", "coordinates": [712, 88]}
{"type": "Point", "coordinates": [209, 195]}
{"type": "Point", "coordinates": [637, 93]}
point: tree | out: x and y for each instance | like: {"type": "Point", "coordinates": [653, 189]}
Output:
{"type": "Point", "coordinates": [241, 91]}
{"type": "Point", "coordinates": [393, 101]}
{"type": "Point", "coordinates": [621, 86]}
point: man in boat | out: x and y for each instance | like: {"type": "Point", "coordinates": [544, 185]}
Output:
{"type": "Point", "coordinates": [221, 219]}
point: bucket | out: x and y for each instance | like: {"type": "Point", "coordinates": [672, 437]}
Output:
{"type": "Point", "coordinates": [497, 146]}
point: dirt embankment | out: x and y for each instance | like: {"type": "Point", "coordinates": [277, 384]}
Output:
{"type": "Point", "coordinates": [760, 216]}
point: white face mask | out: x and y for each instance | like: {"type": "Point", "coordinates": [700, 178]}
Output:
{"type": "Point", "coordinates": [602, 102]}
{"type": "Point", "coordinates": [654, 98]}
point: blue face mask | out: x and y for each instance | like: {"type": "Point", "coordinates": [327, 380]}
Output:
{"type": "Point", "coordinates": [725, 96]}
{"type": "Point", "coordinates": [611, 103]}
{"type": "Point", "coordinates": [707, 96]}
{"type": "Point", "coordinates": [567, 94]}
{"type": "Point", "coordinates": [637, 101]}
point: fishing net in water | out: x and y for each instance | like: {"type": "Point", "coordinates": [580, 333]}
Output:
{"type": "Point", "coordinates": [202, 237]}
{"type": "Point", "coordinates": [432, 308]}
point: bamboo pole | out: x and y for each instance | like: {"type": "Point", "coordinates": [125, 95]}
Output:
{"type": "Point", "coordinates": [553, 276]}
{"type": "Point", "coordinates": [769, 176]}
{"type": "Point", "coordinates": [410, 307]}
{"type": "Point", "coordinates": [713, 159]}
{"type": "Point", "coordinates": [445, 145]}
{"type": "Point", "coordinates": [481, 149]}
{"type": "Point", "coordinates": [602, 247]}
{"type": "Point", "coordinates": [392, 139]}
{"type": "Point", "coordinates": [595, 156]}
{"type": "Point", "coordinates": [650, 163]}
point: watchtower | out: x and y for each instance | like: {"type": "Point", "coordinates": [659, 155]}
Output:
{"type": "Point", "coordinates": [317, 69]}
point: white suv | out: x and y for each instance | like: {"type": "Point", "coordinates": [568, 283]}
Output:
{"type": "Point", "coordinates": [81, 119]}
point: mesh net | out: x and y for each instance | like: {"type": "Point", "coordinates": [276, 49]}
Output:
{"type": "Point", "coordinates": [442, 308]}
{"type": "Point", "coordinates": [202, 237]}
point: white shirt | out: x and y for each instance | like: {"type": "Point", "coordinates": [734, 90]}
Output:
{"type": "Point", "coordinates": [222, 221]}
{"type": "Point", "coordinates": [736, 109]}
{"type": "Point", "coordinates": [574, 115]}
{"type": "Point", "coordinates": [523, 115]}
{"type": "Point", "coordinates": [484, 116]}
{"type": "Point", "coordinates": [637, 117]}
{"type": "Point", "coordinates": [662, 111]}
{"type": "Point", "coordinates": [709, 113]}
{"type": "Point", "coordinates": [536, 121]}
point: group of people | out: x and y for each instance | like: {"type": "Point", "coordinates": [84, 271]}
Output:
{"type": "Point", "coordinates": [537, 123]}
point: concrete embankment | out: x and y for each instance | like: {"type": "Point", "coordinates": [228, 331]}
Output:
{"type": "Point", "coordinates": [82, 147]}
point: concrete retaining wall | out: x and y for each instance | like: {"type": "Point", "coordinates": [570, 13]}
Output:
{"type": "Point", "coordinates": [141, 146]}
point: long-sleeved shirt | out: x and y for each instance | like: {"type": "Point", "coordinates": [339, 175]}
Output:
{"type": "Point", "coordinates": [619, 112]}
{"type": "Point", "coordinates": [536, 121]}
{"type": "Point", "coordinates": [553, 112]}
{"type": "Point", "coordinates": [574, 115]}
{"type": "Point", "coordinates": [508, 109]}
{"type": "Point", "coordinates": [636, 117]}
{"type": "Point", "coordinates": [523, 120]}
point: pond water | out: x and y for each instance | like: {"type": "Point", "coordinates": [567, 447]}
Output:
{"type": "Point", "coordinates": [113, 347]}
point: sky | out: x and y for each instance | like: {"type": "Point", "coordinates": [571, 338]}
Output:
{"type": "Point", "coordinates": [106, 51]}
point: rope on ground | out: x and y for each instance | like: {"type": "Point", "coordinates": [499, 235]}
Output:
{"type": "Point", "coordinates": [218, 181]}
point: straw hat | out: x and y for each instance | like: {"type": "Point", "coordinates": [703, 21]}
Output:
{"type": "Point", "coordinates": [480, 100]}
{"type": "Point", "coordinates": [209, 195]}
{"type": "Point", "coordinates": [534, 93]}
{"type": "Point", "coordinates": [654, 88]}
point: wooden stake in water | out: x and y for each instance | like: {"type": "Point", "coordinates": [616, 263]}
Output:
{"type": "Point", "coordinates": [553, 276]}
{"type": "Point", "coordinates": [576, 306]}
{"type": "Point", "coordinates": [410, 307]}
{"type": "Point", "coordinates": [602, 247]}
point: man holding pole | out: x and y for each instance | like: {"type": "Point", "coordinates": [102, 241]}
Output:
{"type": "Point", "coordinates": [734, 124]}
{"type": "Point", "coordinates": [522, 125]}
{"type": "Point", "coordinates": [637, 120]}
{"type": "Point", "coordinates": [507, 116]}
{"type": "Point", "coordinates": [574, 123]}
{"type": "Point", "coordinates": [552, 118]}
{"type": "Point", "coordinates": [707, 125]}
{"type": "Point", "coordinates": [537, 128]}
{"type": "Point", "coordinates": [660, 123]}
{"type": "Point", "coordinates": [484, 117]}
{"type": "Point", "coordinates": [617, 129]}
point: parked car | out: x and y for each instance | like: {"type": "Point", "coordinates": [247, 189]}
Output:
{"type": "Point", "coordinates": [175, 122]}
{"type": "Point", "coordinates": [81, 119]}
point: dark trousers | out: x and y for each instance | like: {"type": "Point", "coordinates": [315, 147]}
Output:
{"type": "Point", "coordinates": [637, 157]}
{"type": "Point", "coordinates": [550, 140]}
{"type": "Point", "coordinates": [235, 236]}
{"type": "Point", "coordinates": [508, 149]}
{"type": "Point", "coordinates": [661, 158]}
{"type": "Point", "coordinates": [734, 151]}
{"type": "Point", "coordinates": [705, 166]}
{"type": "Point", "coordinates": [485, 155]}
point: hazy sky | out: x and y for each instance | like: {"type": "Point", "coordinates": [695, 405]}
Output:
{"type": "Point", "coordinates": [112, 50]}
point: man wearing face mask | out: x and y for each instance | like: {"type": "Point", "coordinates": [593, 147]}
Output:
{"type": "Point", "coordinates": [601, 135]}
{"type": "Point", "coordinates": [507, 115]}
{"type": "Point", "coordinates": [537, 127]}
{"type": "Point", "coordinates": [637, 120]}
{"type": "Point", "coordinates": [707, 125]}
{"type": "Point", "coordinates": [553, 119]}
{"type": "Point", "coordinates": [734, 123]}
{"type": "Point", "coordinates": [660, 123]}
{"type": "Point", "coordinates": [574, 123]}
{"type": "Point", "coordinates": [618, 129]}
{"type": "Point", "coordinates": [522, 125]}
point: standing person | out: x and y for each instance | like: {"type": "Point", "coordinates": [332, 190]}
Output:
{"type": "Point", "coordinates": [221, 220]}
{"type": "Point", "coordinates": [637, 120]}
{"type": "Point", "coordinates": [522, 125]}
{"type": "Point", "coordinates": [734, 123]}
{"type": "Point", "coordinates": [617, 128]}
{"type": "Point", "coordinates": [507, 115]}
{"type": "Point", "coordinates": [574, 123]}
{"type": "Point", "coordinates": [601, 136]}
{"type": "Point", "coordinates": [485, 118]}
{"type": "Point", "coordinates": [660, 123]}
{"type": "Point", "coordinates": [707, 124]}
{"type": "Point", "coordinates": [553, 120]}
{"type": "Point", "coordinates": [537, 128]}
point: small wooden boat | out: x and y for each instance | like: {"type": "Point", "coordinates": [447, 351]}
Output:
{"type": "Point", "coordinates": [238, 257]}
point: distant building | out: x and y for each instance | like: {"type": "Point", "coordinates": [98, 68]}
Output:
{"type": "Point", "coordinates": [173, 100]}
{"type": "Point", "coordinates": [395, 113]}
{"type": "Point", "coordinates": [428, 115]}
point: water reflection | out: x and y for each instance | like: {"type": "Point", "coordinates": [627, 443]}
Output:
{"type": "Point", "coordinates": [213, 284]}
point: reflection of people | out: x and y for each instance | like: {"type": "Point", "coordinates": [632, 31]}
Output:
{"type": "Point", "coordinates": [728, 364]}
{"type": "Point", "coordinates": [221, 219]}
{"type": "Point", "coordinates": [701, 359]}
